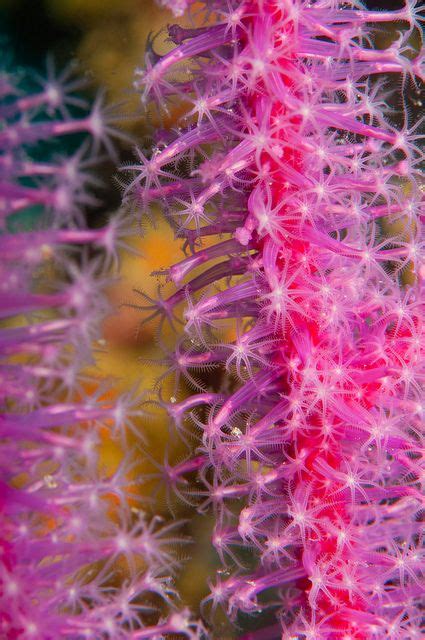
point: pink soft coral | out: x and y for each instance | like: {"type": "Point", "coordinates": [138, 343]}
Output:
{"type": "Point", "coordinates": [78, 559]}
{"type": "Point", "coordinates": [312, 451]}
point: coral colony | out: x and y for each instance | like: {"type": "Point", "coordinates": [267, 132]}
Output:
{"type": "Point", "coordinates": [293, 179]}
{"type": "Point", "coordinates": [79, 558]}
{"type": "Point", "coordinates": [293, 183]}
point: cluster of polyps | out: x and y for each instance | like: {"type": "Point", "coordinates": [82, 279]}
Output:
{"type": "Point", "coordinates": [79, 559]}
{"type": "Point", "coordinates": [300, 156]}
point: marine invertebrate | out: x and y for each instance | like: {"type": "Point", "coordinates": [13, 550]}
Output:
{"type": "Point", "coordinates": [80, 555]}
{"type": "Point", "coordinates": [292, 156]}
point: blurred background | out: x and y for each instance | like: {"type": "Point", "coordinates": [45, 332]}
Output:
{"type": "Point", "coordinates": [106, 39]}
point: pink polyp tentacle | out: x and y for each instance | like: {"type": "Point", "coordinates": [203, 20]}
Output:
{"type": "Point", "coordinates": [247, 393]}
{"type": "Point", "coordinates": [181, 269]}
{"type": "Point", "coordinates": [213, 37]}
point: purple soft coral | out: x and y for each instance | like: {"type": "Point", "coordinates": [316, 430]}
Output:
{"type": "Point", "coordinates": [80, 559]}
{"type": "Point", "coordinates": [312, 449]}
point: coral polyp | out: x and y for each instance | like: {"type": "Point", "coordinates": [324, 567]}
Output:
{"type": "Point", "coordinates": [300, 156]}
{"type": "Point", "coordinates": [80, 557]}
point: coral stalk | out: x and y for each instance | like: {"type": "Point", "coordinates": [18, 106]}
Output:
{"type": "Point", "coordinates": [310, 179]}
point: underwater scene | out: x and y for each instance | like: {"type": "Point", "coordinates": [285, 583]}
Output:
{"type": "Point", "coordinates": [212, 337]}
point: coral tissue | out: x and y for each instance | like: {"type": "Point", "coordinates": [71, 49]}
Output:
{"type": "Point", "coordinates": [299, 156]}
